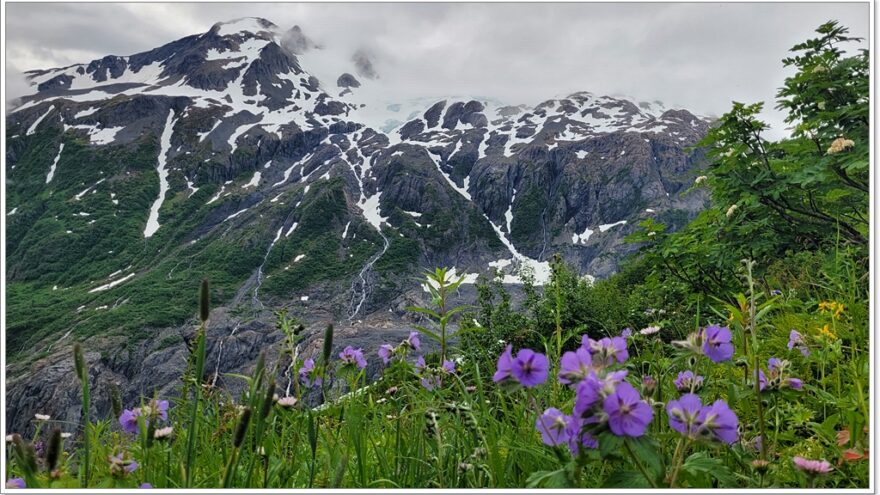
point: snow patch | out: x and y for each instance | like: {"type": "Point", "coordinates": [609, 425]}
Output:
{"type": "Point", "coordinates": [33, 128]}
{"type": "Point", "coordinates": [164, 148]}
{"type": "Point", "coordinates": [111, 284]}
{"type": "Point", "coordinates": [51, 173]}
{"type": "Point", "coordinates": [605, 227]}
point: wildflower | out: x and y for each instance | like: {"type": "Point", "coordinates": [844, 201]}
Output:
{"type": "Point", "coordinates": [812, 467]}
{"type": "Point", "coordinates": [648, 384]}
{"type": "Point", "coordinates": [448, 367]}
{"type": "Point", "coordinates": [552, 425]}
{"type": "Point", "coordinates": [607, 350]}
{"type": "Point", "coordinates": [42, 417]}
{"type": "Point", "coordinates": [577, 437]}
{"type": "Point", "coordinates": [287, 402]}
{"type": "Point", "coordinates": [626, 333]}
{"type": "Point", "coordinates": [795, 339]}
{"type": "Point", "coordinates": [9, 438]}
{"type": "Point", "coordinates": [688, 381]}
{"type": "Point", "coordinates": [385, 352]}
{"type": "Point", "coordinates": [146, 486]}
{"type": "Point", "coordinates": [649, 330]}
{"type": "Point", "coordinates": [353, 357]}
{"type": "Point", "coordinates": [413, 341]}
{"type": "Point", "coordinates": [826, 332]}
{"type": "Point", "coordinates": [683, 414]}
{"type": "Point", "coordinates": [716, 343]}
{"type": "Point", "coordinates": [392, 390]}
{"type": "Point", "coordinates": [574, 366]}
{"type": "Point", "coordinates": [505, 366]}
{"type": "Point", "coordinates": [731, 210]}
{"type": "Point", "coordinates": [128, 420]}
{"type": "Point", "coordinates": [530, 368]}
{"type": "Point", "coordinates": [700, 179]}
{"type": "Point", "coordinates": [819, 69]}
{"type": "Point", "coordinates": [470, 389]}
{"type": "Point", "coordinates": [833, 307]}
{"type": "Point", "coordinates": [587, 394]}
{"type": "Point", "coordinates": [119, 466]}
{"type": "Point", "coordinates": [420, 363]}
{"type": "Point", "coordinates": [163, 433]}
{"type": "Point", "coordinates": [762, 379]}
{"type": "Point", "coordinates": [15, 483]}
{"type": "Point", "coordinates": [840, 144]}
{"type": "Point", "coordinates": [760, 465]}
{"type": "Point", "coordinates": [719, 421]}
{"type": "Point", "coordinates": [308, 374]}
{"type": "Point", "coordinates": [66, 434]}
{"type": "Point", "coordinates": [627, 414]}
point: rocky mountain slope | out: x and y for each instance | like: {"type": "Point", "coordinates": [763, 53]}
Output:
{"type": "Point", "coordinates": [130, 178]}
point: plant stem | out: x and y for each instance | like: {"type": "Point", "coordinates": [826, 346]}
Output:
{"type": "Point", "coordinates": [194, 414]}
{"type": "Point", "coordinates": [638, 464]}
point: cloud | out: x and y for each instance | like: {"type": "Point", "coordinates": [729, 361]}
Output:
{"type": "Point", "coordinates": [699, 56]}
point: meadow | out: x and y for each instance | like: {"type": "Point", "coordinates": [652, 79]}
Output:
{"type": "Point", "coordinates": [732, 353]}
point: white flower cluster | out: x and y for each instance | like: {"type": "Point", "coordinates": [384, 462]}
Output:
{"type": "Point", "coordinates": [840, 144]}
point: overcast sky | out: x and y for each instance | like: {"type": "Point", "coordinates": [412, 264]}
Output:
{"type": "Point", "coordinates": [695, 56]}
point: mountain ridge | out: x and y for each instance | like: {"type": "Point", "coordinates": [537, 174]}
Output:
{"type": "Point", "coordinates": [220, 155]}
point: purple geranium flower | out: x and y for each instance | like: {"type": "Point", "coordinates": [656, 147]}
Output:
{"type": "Point", "coordinates": [795, 339]}
{"type": "Point", "coordinates": [448, 366]}
{"type": "Point", "coordinates": [385, 352]}
{"type": "Point", "coordinates": [530, 368]}
{"type": "Point", "coordinates": [413, 341]}
{"type": "Point", "coordinates": [716, 343]}
{"type": "Point", "coordinates": [128, 421]}
{"type": "Point", "coordinates": [627, 414]}
{"type": "Point", "coordinates": [688, 381]}
{"type": "Point", "coordinates": [15, 483]}
{"type": "Point", "coordinates": [683, 414]}
{"type": "Point", "coordinates": [351, 356]}
{"type": "Point", "coordinates": [505, 365]}
{"type": "Point", "coordinates": [552, 425]}
{"type": "Point", "coordinates": [626, 332]}
{"type": "Point", "coordinates": [719, 421]}
{"type": "Point", "coordinates": [430, 382]}
{"type": "Point", "coordinates": [607, 350]}
{"type": "Point", "coordinates": [575, 366]}
{"type": "Point", "coordinates": [587, 394]}
{"type": "Point", "coordinates": [308, 374]}
{"type": "Point", "coordinates": [649, 383]}
{"type": "Point", "coordinates": [577, 437]}
{"type": "Point", "coordinates": [146, 486]}
{"type": "Point", "coordinates": [795, 383]}
{"type": "Point", "coordinates": [762, 379]}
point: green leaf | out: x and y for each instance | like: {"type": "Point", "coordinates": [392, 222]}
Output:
{"type": "Point", "coordinates": [549, 479]}
{"type": "Point", "coordinates": [625, 479]}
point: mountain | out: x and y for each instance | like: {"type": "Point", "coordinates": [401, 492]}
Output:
{"type": "Point", "coordinates": [220, 155]}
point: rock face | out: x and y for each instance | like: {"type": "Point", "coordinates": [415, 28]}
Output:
{"type": "Point", "coordinates": [220, 155]}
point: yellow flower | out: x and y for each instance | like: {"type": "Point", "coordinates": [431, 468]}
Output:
{"type": "Point", "coordinates": [826, 332]}
{"type": "Point", "coordinates": [833, 307]}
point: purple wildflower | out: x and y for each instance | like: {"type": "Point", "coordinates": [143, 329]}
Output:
{"type": "Point", "coordinates": [448, 366]}
{"type": "Point", "coordinates": [607, 350]}
{"type": "Point", "coordinates": [626, 333]}
{"type": "Point", "coordinates": [552, 425]}
{"type": "Point", "coordinates": [587, 394]}
{"type": "Point", "coordinates": [530, 368]}
{"type": "Point", "coordinates": [794, 383]}
{"type": "Point", "coordinates": [430, 382]}
{"type": "Point", "coordinates": [688, 381]}
{"type": "Point", "coordinates": [308, 374]}
{"type": "Point", "coordinates": [146, 486]}
{"type": "Point", "coordinates": [812, 467]}
{"type": "Point", "coordinates": [420, 363]}
{"type": "Point", "coordinates": [627, 414]}
{"type": "Point", "coordinates": [575, 366]}
{"type": "Point", "coordinates": [762, 379]}
{"type": "Point", "coordinates": [719, 421]}
{"type": "Point", "coordinates": [716, 343]}
{"type": "Point", "coordinates": [795, 339]}
{"type": "Point", "coordinates": [128, 421]}
{"type": "Point", "coordinates": [351, 356]}
{"type": "Point", "coordinates": [505, 366]}
{"type": "Point", "coordinates": [683, 414]}
{"type": "Point", "coordinates": [577, 437]}
{"type": "Point", "coordinates": [16, 483]}
{"type": "Point", "coordinates": [385, 352]}
{"type": "Point", "coordinates": [413, 341]}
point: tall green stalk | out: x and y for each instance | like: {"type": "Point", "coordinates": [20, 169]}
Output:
{"type": "Point", "coordinates": [204, 311]}
{"type": "Point", "coordinates": [82, 373]}
{"type": "Point", "coordinates": [754, 349]}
